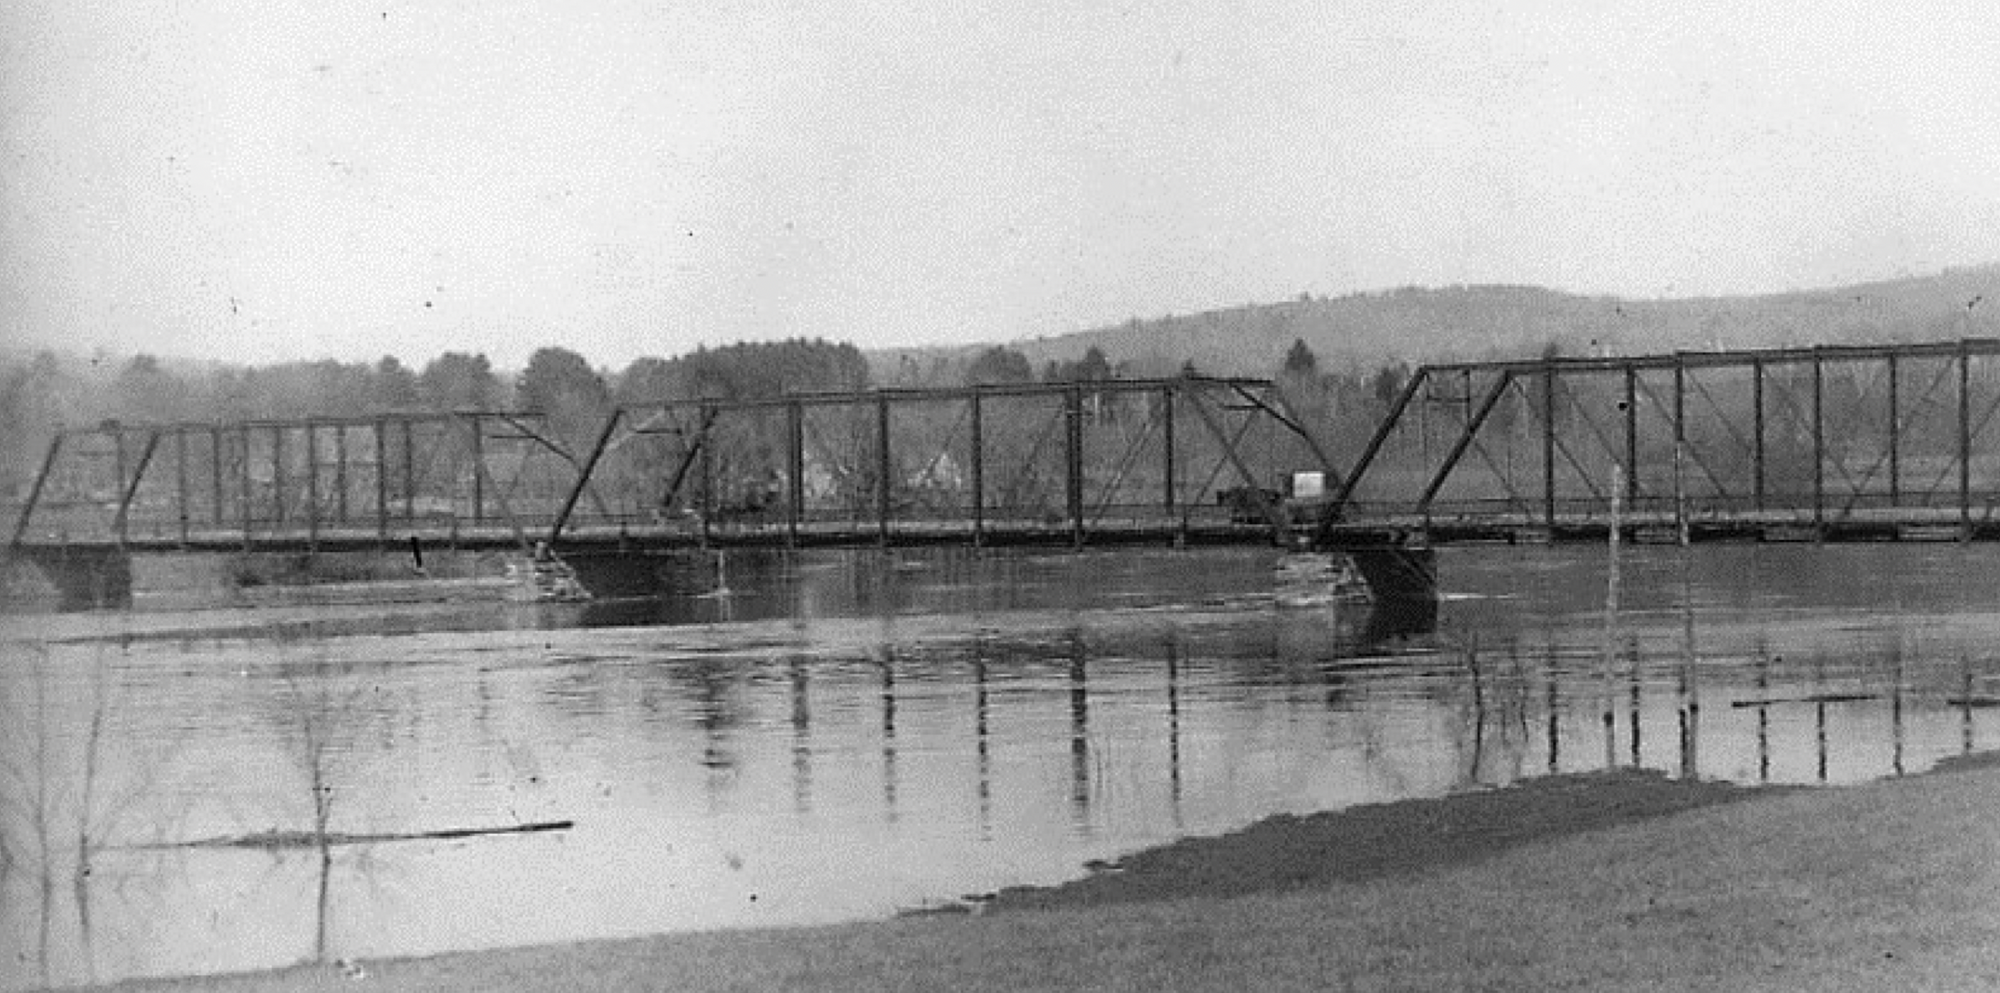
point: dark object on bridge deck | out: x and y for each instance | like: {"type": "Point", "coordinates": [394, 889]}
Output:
{"type": "Point", "coordinates": [417, 552]}
{"type": "Point", "coordinates": [1247, 504]}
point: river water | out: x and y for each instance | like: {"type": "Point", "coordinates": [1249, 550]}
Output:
{"type": "Point", "coordinates": [846, 735]}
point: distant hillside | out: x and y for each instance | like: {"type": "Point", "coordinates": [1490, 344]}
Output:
{"type": "Point", "coordinates": [1478, 322]}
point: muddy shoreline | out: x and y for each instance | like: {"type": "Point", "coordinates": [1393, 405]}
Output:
{"type": "Point", "coordinates": [1379, 841]}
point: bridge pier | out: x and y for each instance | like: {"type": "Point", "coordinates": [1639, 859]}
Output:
{"type": "Point", "coordinates": [1397, 573]}
{"type": "Point", "coordinates": [84, 578]}
{"type": "Point", "coordinates": [1401, 577]}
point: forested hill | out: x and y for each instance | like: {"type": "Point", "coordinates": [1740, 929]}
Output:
{"type": "Point", "coordinates": [1477, 322]}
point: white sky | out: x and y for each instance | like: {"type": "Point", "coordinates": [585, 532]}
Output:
{"type": "Point", "coordinates": [273, 179]}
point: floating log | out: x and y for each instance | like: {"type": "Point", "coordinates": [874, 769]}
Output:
{"type": "Point", "coordinates": [1814, 698]}
{"type": "Point", "coordinates": [276, 838]}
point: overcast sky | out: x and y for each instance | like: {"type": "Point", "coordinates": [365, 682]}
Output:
{"type": "Point", "coordinates": [275, 179]}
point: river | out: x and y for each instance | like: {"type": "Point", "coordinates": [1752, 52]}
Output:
{"type": "Point", "coordinates": [842, 736]}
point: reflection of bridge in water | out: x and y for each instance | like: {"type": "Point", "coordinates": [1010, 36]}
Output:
{"type": "Point", "coordinates": [1889, 442]}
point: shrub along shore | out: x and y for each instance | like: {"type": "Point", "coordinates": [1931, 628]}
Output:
{"type": "Point", "coordinates": [1610, 881]}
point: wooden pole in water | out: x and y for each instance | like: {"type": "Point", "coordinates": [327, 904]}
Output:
{"type": "Point", "coordinates": [1690, 679]}
{"type": "Point", "coordinates": [1611, 615]}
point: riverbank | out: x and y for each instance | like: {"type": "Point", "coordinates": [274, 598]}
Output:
{"type": "Point", "coordinates": [1885, 885]}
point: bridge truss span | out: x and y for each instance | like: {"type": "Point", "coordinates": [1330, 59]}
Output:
{"type": "Point", "coordinates": [1829, 442]}
{"type": "Point", "coordinates": [1063, 464]}
{"type": "Point", "coordinates": [1184, 459]}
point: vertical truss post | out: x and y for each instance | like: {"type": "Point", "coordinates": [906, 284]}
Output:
{"type": "Point", "coordinates": [243, 479]}
{"type": "Point", "coordinates": [1680, 449]}
{"type": "Point", "coordinates": [382, 478]}
{"type": "Point", "coordinates": [1965, 440]}
{"type": "Point", "coordinates": [35, 491]}
{"type": "Point", "coordinates": [707, 473]}
{"type": "Point", "coordinates": [478, 469]}
{"type": "Point", "coordinates": [795, 469]}
{"type": "Point", "coordinates": [409, 474]}
{"type": "Point", "coordinates": [1549, 442]}
{"type": "Point", "coordinates": [1895, 439]}
{"type": "Point", "coordinates": [1170, 484]}
{"type": "Point", "coordinates": [215, 472]}
{"type": "Point", "coordinates": [277, 477]}
{"type": "Point", "coordinates": [1819, 439]}
{"type": "Point", "coordinates": [978, 471]}
{"type": "Point", "coordinates": [1757, 430]}
{"type": "Point", "coordinates": [340, 473]}
{"type": "Point", "coordinates": [181, 480]}
{"type": "Point", "coordinates": [883, 489]}
{"type": "Point", "coordinates": [1630, 405]}
{"type": "Point", "coordinates": [1073, 452]}
{"type": "Point", "coordinates": [312, 485]}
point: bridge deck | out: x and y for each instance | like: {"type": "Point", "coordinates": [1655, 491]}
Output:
{"type": "Point", "coordinates": [1905, 524]}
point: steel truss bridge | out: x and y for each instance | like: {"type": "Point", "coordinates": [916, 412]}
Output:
{"type": "Point", "coordinates": [1075, 464]}
{"type": "Point", "coordinates": [1830, 443]}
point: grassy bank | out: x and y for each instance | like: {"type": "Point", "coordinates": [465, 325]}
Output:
{"type": "Point", "coordinates": [1890, 885]}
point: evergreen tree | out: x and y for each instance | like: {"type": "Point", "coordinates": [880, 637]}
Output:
{"type": "Point", "coordinates": [1300, 361]}
{"type": "Point", "coordinates": [999, 365]}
